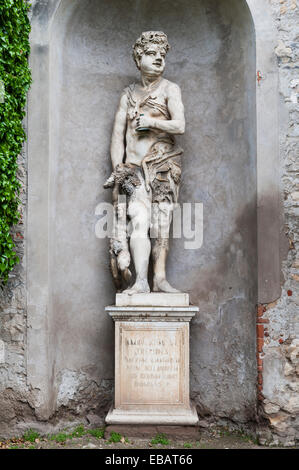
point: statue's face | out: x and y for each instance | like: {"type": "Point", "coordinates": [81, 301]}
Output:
{"type": "Point", "coordinates": [152, 61]}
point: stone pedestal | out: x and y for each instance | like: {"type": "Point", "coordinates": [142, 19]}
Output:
{"type": "Point", "coordinates": [152, 360]}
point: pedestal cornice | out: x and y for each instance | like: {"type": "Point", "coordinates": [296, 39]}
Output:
{"type": "Point", "coordinates": [181, 314]}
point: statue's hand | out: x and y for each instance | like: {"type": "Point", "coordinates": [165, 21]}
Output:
{"type": "Point", "coordinates": [109, 183]}
{"type": "Point", "coordinates": [145, 122]}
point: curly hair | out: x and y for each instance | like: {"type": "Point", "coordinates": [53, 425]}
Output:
{"type": "Point", "coordinates": [147, 38]}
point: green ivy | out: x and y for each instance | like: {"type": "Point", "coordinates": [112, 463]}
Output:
{"type": "Point", "coordinates": [15, 80]}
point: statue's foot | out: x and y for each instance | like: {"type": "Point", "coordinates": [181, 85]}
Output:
{"type": "Point", "coordinates": [140, 287]}
{"type": "Point", "coordinates": [161, 285]}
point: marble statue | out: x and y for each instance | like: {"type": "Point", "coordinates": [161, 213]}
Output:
{"type": "Point", "coordinates": [146, 168]}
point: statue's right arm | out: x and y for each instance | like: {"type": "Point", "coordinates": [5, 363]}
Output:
{"type": "Point", "coordinates": [117, 148]}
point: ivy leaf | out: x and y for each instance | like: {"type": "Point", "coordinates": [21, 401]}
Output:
{"type": "Point", "coordinates": [16, 78]}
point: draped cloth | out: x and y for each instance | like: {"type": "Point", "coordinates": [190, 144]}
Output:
{"type": "Point", "coordinates": [161, 166]}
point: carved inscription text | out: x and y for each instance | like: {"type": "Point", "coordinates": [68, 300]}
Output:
{"type": "Point", "coordinates": [151, 369]}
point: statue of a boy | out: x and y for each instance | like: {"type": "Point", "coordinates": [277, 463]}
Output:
{"type": "Point", "coordinates": [146, 167]}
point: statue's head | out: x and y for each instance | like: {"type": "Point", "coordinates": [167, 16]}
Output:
{"type": "Point", "coordinates": [149, 52]}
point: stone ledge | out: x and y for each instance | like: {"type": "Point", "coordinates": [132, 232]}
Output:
{"type": "Point", "coordinates": [181, 417]}
{"type": "Point", "coordinates": [166, 314]}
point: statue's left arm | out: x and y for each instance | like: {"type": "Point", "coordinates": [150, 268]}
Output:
{"type": "Point", "coordinates": [176, 125]}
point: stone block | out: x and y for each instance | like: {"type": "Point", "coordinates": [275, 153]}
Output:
{"type": "Point", "coordinates": [152, 366]}
{"type": "Point", "coordinates": [153, 299]}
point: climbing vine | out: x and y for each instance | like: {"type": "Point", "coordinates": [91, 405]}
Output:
{"type": "Point", "coordinates": [15, 80]}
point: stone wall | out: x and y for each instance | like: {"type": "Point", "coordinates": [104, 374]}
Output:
{"type": "Point", "coordinates": [277, 331]}
{"type": "Point", "coordinates": [14, 397]}
{"type": "Point", "coordinates": [278, 322]}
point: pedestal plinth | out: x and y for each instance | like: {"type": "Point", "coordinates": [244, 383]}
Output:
{"type": "Point", "coordinates": [152, 360]}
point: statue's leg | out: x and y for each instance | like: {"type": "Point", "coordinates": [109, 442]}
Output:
{"type": "Point", "coordinates": [163, 218]}
{"type": "Point", "coordinates": [139, 211]}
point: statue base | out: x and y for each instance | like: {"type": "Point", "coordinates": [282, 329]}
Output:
{"type": "Point", "coordinates": [152, 361]}
{"type": "Point", "coordinates": [187, 417]}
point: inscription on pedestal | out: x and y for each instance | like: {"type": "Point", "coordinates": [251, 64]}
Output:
{"type": "Point", "coordinates": [151, 364]}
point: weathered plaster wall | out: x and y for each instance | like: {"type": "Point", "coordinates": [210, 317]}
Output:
{"type": "Point", "coordinates": [213, 60]}
{"type": "Point", "coordinates": [16, 403]}
{"type": "Point", "coordinates": [278, 347]}
{"type": "Point", "coordinates": [81, 393]}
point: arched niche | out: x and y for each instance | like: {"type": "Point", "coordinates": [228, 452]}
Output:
{"type": "Point", "coordinates": [81, 61]}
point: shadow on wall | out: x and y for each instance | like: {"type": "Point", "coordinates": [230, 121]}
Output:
{"type": "Point", "coordinates": [223, 336]}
